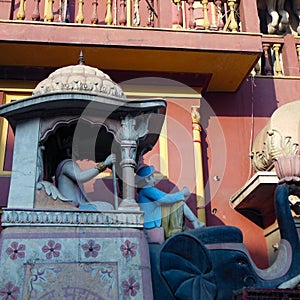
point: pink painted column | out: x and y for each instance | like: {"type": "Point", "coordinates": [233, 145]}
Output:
{"type": "Point", "coordinates": [6, 9]}
{"type": "Point", "coordinates": [249, 16]}
{"type": "Point", "coordinates": [165, 13]}
{"type": "Point", "coordinates": [289, 56]}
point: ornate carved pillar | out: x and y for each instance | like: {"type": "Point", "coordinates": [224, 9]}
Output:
{"type": "Point", "coordinates": [80, 17]}
{"type": "Point", "coordinates": [122, 15]}
{"type": "Point", "coordinates": [192, 23]}
{"type": "Point", "coordinates": [48, 17]}
{"type": "Point", "coordinates": [267, 68]}
{"type": "Point", "coordinates": [128, 136]}
{"type": "Point", "coordinates": [36, 12]}
{"type": "Point", "coordinates": [150, 8]}
{"type": "Point", "coordinates": [108, 17]}
{"type": "Point", "coordinates": [177, 18]}
{"type": "Point", "coordinates": [220, 23]}
{"type": "Point", "coordinates": [232, 25]}
{"type": "Point", "coordinates": [214, 16]}
{"type": "Point", "coordinates": [206, 23]}
{"type": "Point", "coordinates": [128, 148]}
{"type": "Point", "coordinates": [94, 18]}
{"type": "Point", "coordinates": [136, 13]}
{"type": "Point", "coordinates": [198, 163]}
{"type": "Point", "coordinates": [64, 11]}
{"type": "Point", "coordinates": [21, 12]}
{"type": "Point", "coordinates": [277, 64]}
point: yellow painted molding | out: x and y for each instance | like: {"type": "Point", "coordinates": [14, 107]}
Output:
{"type": "Point", "coordinates": [8, 97]}
{"type": "Point", "coordinates": [128, 13]}
{"type": "Point", "coordinates": [162, 95]}
{"type": "Point", "coordinates": [3, 139]}
{"type": "Point", "coordinates": [163, 151]}
{"type": "Point", "coordinates": [171, 89]}
{"type": "Point", "coordinates": [5, 173]}
{"type": "Point", "coordinates": [18, 86]}
{"type": "Point", "coordinates": [20, 90]}
{"type": "Point", "coordinates": [195, 114]}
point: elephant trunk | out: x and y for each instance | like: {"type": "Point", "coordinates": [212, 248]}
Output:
{"type": "Point", "coordinates": [285, 219]}
{"type": "Point", "coordinates": [290, 284]}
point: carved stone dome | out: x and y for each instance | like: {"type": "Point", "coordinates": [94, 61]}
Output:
{"type": "Point", "coordinates": [79, 78]}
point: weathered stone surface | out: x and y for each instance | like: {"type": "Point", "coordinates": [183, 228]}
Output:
{"type": "Point", "coordinates": [23, 178]}
{"type": "Point", "coordinates": [79, 78]}
{"type": "Point", "coordinates": [74, 263]}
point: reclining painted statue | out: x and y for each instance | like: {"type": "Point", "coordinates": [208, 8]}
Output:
{"type": "Point", "coordinates": [69, 176]}
{"type": "Point", "coordinates": [68, 179]}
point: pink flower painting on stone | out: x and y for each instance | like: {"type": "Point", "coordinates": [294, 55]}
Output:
{"type": "Point", "coordinates": [91, 249]}
{"type": "Point", "coordinates": [130, 287]}
{"type": "Point", "coordinates": [128, 249]}
{"type": "Point", "coordinates": [16, 250]}
{"type": "Point", "coordinates": [9, 292]}
{"type": "Point", "coordinates": [52, 249]}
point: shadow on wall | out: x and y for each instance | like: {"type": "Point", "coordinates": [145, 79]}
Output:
{"type": "Point", "coordinates": [229, 123]}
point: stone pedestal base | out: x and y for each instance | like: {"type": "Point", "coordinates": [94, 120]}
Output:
{"type": "Point", "coordinates": [74, 263]}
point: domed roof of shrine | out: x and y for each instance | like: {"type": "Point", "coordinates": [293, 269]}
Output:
{"type": "Point", "coordinates": [79, 78]}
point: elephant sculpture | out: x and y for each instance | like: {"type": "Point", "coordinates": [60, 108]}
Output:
{"type": "Point", "coordinates": [211, 263]}
{"type": "Point", "coordinates": [280, 14]}
{"type": "Point", "coordinates": [296, 11]}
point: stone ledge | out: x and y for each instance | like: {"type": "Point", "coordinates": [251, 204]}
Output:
{"type": "Point", "coordinates": [255, 200]}
{"type": "Point", "coordinates": [120, 219]}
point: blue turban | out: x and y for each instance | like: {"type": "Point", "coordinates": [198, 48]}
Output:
{"type": "Point", "coordinates": [145, 171]}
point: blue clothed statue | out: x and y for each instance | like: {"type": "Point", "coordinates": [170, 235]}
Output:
{"type": "Point", "coordinates": [162, 209]}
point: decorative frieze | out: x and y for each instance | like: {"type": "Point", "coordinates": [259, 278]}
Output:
{"type": "Point", "coordinates": [275, 145]}
{"type": "Point", "coordinates": [79, 78]}
{"type": "Point", "coordinates": [288, 169]}
{"type": "Point", "coordinates": [124, 219]}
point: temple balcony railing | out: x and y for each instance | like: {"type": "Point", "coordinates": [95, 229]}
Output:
{"type": "Point", "coordinates": [216, 15]}
{"type": "Point", "coordinates": [145, 38]}
{"type": "Point", "coordinates": [280, 57]}
{"type": "Point", "coordinates": [209, 15]}
{"type": "Point", "coordinates": [270, 63]}
{"type": "Point", "coordinates": [194, 42]}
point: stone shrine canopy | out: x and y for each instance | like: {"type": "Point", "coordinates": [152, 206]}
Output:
{"type": "Point", "coordinates": [80, 78]}
{"type": "Point", "coordinates": [76, 109]}
{"type": "Point", "coordinates": [71, 89]}
{"type": "Point", "coordinates": [79, 104]}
